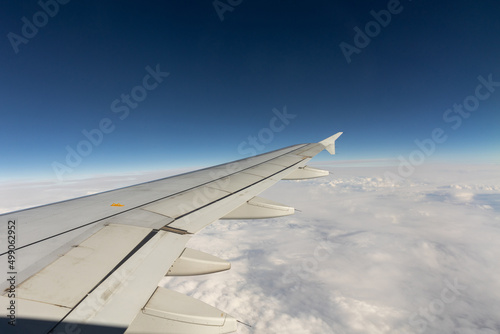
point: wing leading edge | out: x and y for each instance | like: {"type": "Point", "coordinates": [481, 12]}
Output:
{"type": "Point", "coordinates": [89, 265]}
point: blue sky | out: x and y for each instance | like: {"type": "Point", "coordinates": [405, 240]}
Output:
{"type": "Point", "coordinates": [226, 77]}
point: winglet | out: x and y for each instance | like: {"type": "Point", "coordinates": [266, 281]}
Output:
{"type": "Point", "coordinates": [329, 143]}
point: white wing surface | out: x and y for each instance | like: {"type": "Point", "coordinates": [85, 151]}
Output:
{"type": "Point", "coordinates": [92, 264]}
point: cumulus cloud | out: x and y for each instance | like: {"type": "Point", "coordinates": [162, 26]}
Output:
{"type": "Point", "coordinates": [366, 253]}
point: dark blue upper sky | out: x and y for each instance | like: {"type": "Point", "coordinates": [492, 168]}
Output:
{"type": "Point", "coordinates": [84, 67]}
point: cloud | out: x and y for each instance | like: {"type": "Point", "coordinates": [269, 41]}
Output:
{"type": "Point", "coordinates": [365, 255]}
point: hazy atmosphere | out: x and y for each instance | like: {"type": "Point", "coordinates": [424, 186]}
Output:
{"type": "Point", "coordinates": [401, 237]}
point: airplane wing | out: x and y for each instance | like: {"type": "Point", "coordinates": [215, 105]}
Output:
{"type": "Point", "coordinates": [92, 264]}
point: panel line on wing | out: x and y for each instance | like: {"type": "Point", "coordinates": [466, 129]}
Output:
{"type": "Point", "coordinates": [244, 188]}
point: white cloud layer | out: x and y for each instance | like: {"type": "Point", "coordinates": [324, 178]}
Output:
{"type": "Point", "coordinates": [366, 254]}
